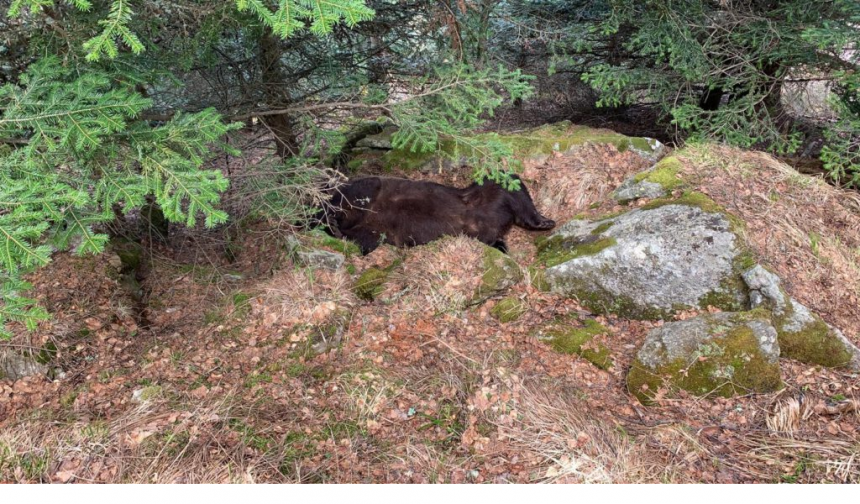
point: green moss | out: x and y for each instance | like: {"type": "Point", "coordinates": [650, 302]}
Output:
{"type": "Point", "coordinates": [241, 304]}
{"type": "Point", "coordinates": [664, 173]}
{"type": "Point", "coordinates": [509, 309]}
{"type": "Point", "coordinates": [602, 227]}
{"type": "Point", "coordinates": [558, 249]}
{"type": "Point", "coordinates": [566, 336]}
{"type": "Point", "coordinates": [689, 198]}
{"type": "Point", "coordinates": [815, 343]}
{"type": "Point", "coordinates": [47, 353]}
{"type": "Point", "coordinates": [370, 283]}
{"type": "Point", "coordinates": [130, 254]}
{"type": "Point", "coordinates": [500, 272]}
{"type": "Point", "coordinates": [318, 239]}
{"type": "Point", "coordinates": [729, 364]}
{"type": "Point", "coordinates": [151, 392]}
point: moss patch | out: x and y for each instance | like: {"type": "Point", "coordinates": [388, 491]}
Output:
{"type": "Point", "coordinates": [699, 200]}
{"type": "Point", "coordinates": [664, 173]}
{"type": "Point", "coordinates": [318, 239]}
{"type": "Point", "coordinates": [538, 279]}
{"type": "Point", "coordinates": [532, 144]}
{"type": "Point", "coordinates": [602, 227]}
{"type": "Point", "coordinates": [815, 343]}
{"type": "Point", "coordinates": [500, 272]}
{"type": "Point", "coordinates": [572, 337]}
{"type": "Point", "coordinates": [728, 364]}
{"type": "Point", "coordinates": [130, 254]}
{"type": "Point", "coordinates": [509, 309]}
{"type": "Point", "coordinates": [370, 283]}
{"type": "Point", "coordinates": [558, 249]}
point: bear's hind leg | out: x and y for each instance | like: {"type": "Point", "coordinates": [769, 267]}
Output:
{"type": "Point", "coordinates": [500, 245]}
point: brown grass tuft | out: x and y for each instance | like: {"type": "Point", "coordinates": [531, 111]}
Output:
{"type": "Point", "coordinates": [568, 185]}
{"type": "Point", "coordinates": [438, 278]}
{"type": "Point", "coordinates": [574, 444]}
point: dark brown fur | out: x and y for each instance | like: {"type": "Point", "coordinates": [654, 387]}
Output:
{"type": "Point", "coordinates": [405, 213]}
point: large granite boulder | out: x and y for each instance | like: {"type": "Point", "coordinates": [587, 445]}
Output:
{"type": "Point", "coordinates": [649, 263]}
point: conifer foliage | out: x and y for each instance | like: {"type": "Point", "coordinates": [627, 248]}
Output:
{"type": "Point", "coordinates": [74, 149]}
{"type": "Point", "coordinates": [82, 152]}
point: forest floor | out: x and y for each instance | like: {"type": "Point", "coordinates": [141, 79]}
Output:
{"type": "Point", "coordinates": [205, 379]}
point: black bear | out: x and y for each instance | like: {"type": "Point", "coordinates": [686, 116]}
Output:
{"type": "Point", "coordinates": [375, 210]}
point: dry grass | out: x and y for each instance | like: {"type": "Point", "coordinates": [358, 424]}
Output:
{"type": "Point", "coordinates": [441, 277]}
{"type": "Point", "coordinates": [300, 295]}
{"type": "Point", "coordinates": [569, 185]}
{"type": "Point", "coordinates": [147, 444]}
{"type": "Point", "coordinates": [786, 414]}
{"type": "Point", "coordinates": [573, 443]}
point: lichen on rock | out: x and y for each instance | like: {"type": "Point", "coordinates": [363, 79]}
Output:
{"type": "Point", "coordinates": [724, 353]}
{"type": "Point", "coordinates": [14, 365]}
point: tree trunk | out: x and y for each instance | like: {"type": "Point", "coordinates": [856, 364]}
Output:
{"type": "Point", "coordinates": [154, 224]}
{"type": "Point", "coordinates": [281, 125]}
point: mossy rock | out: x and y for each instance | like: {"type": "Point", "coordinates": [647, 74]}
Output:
{"type": "Point", "coordinates": [665, 173]}
{"type": "Point", "coordinates": [560, 249]}
{"type": "Point", "coordinates": [572, 336]}
{"type": "Point", "coordinates": [316, 249]}
{"type": "Point", "coordinates": [370, 284]}
{"type": "Point", "coordinates": [814, 343]}
{"type": "Point", "coordinates": [130, 254]}
{"type": "Point", "coordinates": [535, 144]}
{"type": "Point", "coordinates": [657, 182]}
{"type": "Point", "coordinates": [319, 239]}
{"type": "Point", "coordinates": [803, 335]}
{"type": "Point", "coordinates": [723, 354]}
{"type": "Point", "coordinates": [509, 309]}
{"type": "Point", "coordinates": [500, 273]}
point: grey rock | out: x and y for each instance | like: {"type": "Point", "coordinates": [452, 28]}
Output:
{"type": "Point", "coordinates": [14, 366]}
{"type": "Point", "coordinates": [656, 151]}
{"type": "Point", "coordinates": [322, 259]}
{"type": "Point", "coordinates": [803, 331]}
{"type": "Point", "coordinates": [764, 287]}
{"type": "Point", "coordinates": [656, 261]}
{"type": "Point", "coordinates": [684, 340]}
{"type": "Point", "coordinates": [379, 141]}
{"type": "Point", "coordinates": [632, 189]}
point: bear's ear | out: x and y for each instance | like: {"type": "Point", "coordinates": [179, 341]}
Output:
{"type": "Point", "coordinates": [475, 195]}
